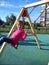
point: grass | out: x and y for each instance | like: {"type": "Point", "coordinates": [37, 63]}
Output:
{"type": "Point", "coordinates": [5, 29]}
{"type": "Point", "coordinates": [38, 31]}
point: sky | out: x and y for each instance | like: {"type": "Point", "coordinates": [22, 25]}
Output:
{"type": "Point", "coordinates": [14, 6]}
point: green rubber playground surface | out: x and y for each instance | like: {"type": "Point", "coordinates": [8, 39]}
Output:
{"type": "Point", "coordinates": [27, 53]}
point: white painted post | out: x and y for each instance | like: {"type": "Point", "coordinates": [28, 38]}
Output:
{"type": "Point", "coordinates": [36, 4]}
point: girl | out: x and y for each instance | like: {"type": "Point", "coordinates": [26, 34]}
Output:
{"type": "Point", "coordinates": [17, 35]}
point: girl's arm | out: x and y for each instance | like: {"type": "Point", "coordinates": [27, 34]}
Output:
{"type": "Point", "coordinates": [24, 34]}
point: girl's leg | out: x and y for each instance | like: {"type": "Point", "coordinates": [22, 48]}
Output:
{"type": "Point", "coordinates": [1, 40]}
{"type": "Point", "coordinates": [6, 39]}
{"type": "Point", "coordinates": [17, 44]}
{"type": "Point", "coordinates": [2, 36]}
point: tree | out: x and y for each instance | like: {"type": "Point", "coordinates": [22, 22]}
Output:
{"type": "Point", "coordinates": [36, 25]}
{"type": "Point", "coordinates": [1, 22]}
{"type": "Point", "coordinates": [10, 20]}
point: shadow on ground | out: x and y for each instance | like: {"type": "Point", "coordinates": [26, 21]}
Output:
{"type": "Point", "coordinates": [33, 43]}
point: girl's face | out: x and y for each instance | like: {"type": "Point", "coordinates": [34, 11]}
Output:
{"type": "Point", "coordinates": [19, 26]}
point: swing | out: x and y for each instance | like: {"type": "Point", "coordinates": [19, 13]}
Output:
{"type": "Point", "coordinates": [24, 14]}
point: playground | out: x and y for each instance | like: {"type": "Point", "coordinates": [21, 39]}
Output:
{"type": "Point", "coordinates": [27, 52]}
{"type": "Point", "coordinates": [34, 50]}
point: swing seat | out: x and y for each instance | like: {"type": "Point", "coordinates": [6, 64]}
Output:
{"type": "Point", "coordinates": [15, 46]}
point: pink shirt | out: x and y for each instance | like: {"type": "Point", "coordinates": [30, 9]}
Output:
{"type": "Point", "coordinates": [18, 35]}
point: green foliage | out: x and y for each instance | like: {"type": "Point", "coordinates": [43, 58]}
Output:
{"type": "Point", "coordinates": [1, 22]}
{"type": "Point", "coordinates": [36, 25]}
{"type": "Point", "coordinates": [5, 29]}
{"type": "Point", "coordinates": [27, 25]}
{"type": "Point", "coordinates": [10, 20]}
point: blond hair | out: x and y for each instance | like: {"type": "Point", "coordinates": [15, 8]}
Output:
{"type": "Point", "coordinates": [20, 22]}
